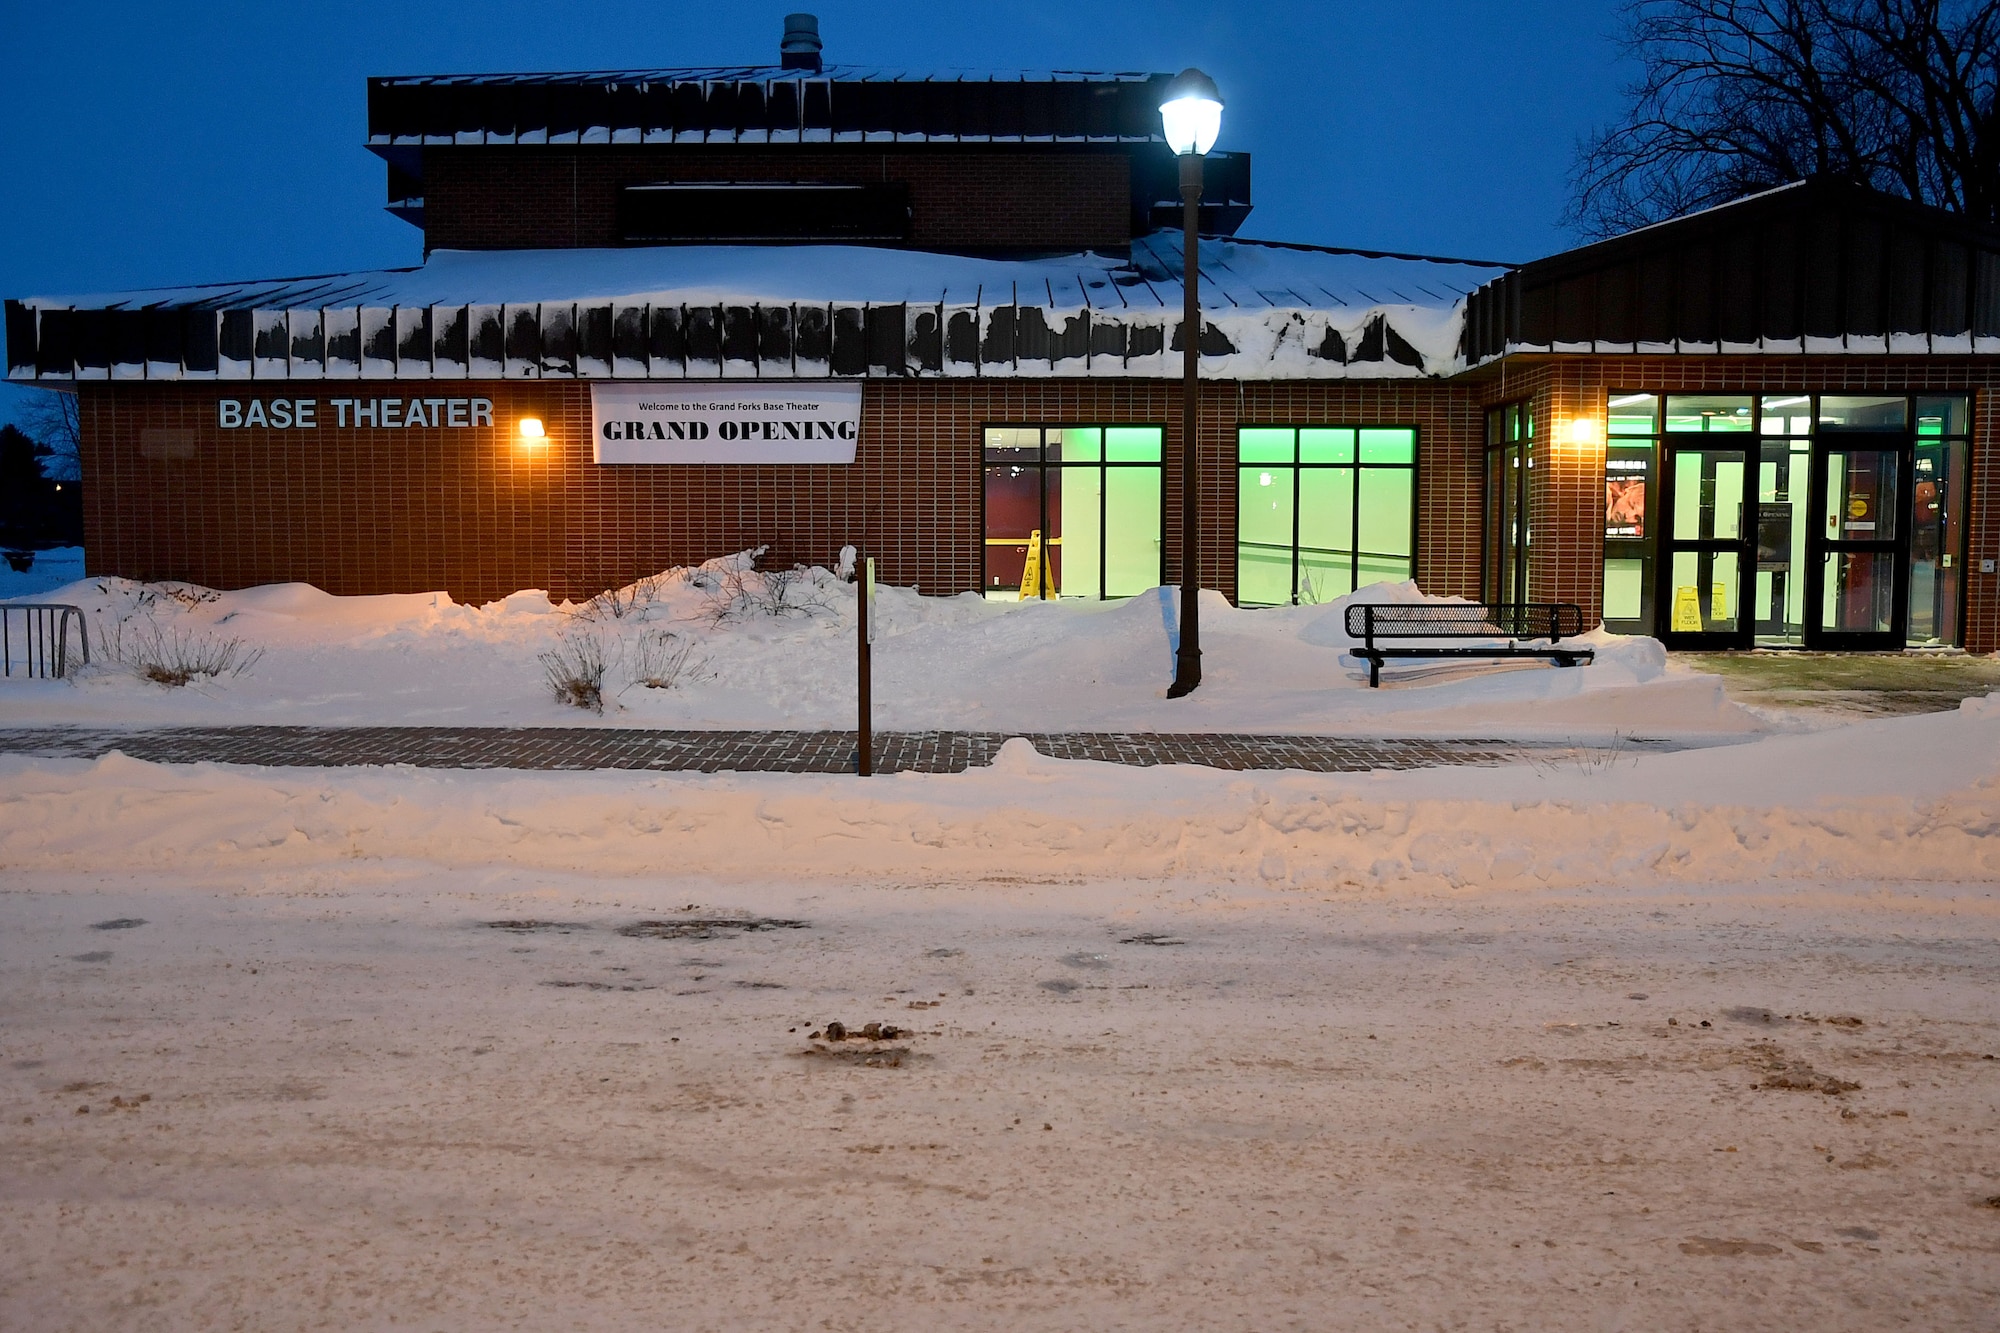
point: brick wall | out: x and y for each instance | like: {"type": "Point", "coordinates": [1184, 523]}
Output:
{"type": "Point", "coordinates": [473, 513]}
{"type": "Point", "coordinates": [962, 197]}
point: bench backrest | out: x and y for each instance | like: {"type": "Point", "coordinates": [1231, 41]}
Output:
{"type": "Point", "coordinates": [1553, 621]}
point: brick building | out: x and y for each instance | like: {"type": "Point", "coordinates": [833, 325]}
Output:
{"type": "Point", "coordinates": [668, 314]}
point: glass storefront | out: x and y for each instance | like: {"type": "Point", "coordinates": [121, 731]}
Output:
{"type": "Point", "coordinates": [1937, 520]}
{"type": "Point", "coordinates": [1073, 511]}
{"type": "Point", "coordinates": [1510, 464]}
{"type": "Point", "coordinates": [1321, 511]}
{"type": "Point", "coordinates": [1856, 538]}
{"type": "Point", "coordinates": [1630, 451]}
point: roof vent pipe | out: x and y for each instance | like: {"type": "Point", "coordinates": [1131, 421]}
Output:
{"type": "Point", "coordinates": [801, 46]}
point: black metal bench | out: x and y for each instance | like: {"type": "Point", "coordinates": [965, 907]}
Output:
{"type": "Point", "coordinates": [1513, 621]}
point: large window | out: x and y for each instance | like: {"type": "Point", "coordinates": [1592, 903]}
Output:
{"type": "Point", "coordinates": [1853, 526]}
{"type": "Point", "coordinates": [1937, 520]}
{"type": "Point", "coordinates": [1510, 463]}
{"type": "Point", "coordinates": [1631, 503]}
{"type": "Point", "coordinates": [1322, 510]}
{"type": "Point", "coordinates": [1079, 504]}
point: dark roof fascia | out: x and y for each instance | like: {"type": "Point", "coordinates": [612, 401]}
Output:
{"type": "Point", "coordinates": [1815, 194]}
{"type": "Point", "coordinates": [840, 102]}
{"type": "Point", "coordinates": [409, 155]}
{"type": "Point", "coordinates": [765, 74]}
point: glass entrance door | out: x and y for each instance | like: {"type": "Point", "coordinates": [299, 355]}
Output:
{"type": "Point", "coordinates": [1709, 552]}
{"type": "Point", "coordinates": [1857, 563]}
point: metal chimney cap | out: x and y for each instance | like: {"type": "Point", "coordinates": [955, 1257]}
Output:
{"type": "Point", "coordinates": [801, 45]}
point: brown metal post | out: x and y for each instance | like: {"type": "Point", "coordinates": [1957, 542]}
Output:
{"type": "Point", "coordinates": [865, 735]}
{"type": "Point", "coordinates": [1187, 661]}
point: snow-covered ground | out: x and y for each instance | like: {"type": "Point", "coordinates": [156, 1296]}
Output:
{"type": "Point", "coordinates": [54, 568]}
{"type": "Point", "coordinates": [1617, 1040]}
{"type": "Point", "coordinates": [322, 1092]}
{"type": "Point", "coordinates": [1904, 799]}
{"type": "Point", "coordinates": [959, 663]}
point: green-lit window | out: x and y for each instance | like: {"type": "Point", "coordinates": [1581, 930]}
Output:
{"type": "Point", "coordinates": [1708, 412]}
{"type": "Point", "coordinates": [1322, 510]}
{"type": "Point", "coordinates": [1085, 499]}
{"type": "Point", "coordinates": [1631, 453]}
{"type": "Point", "coordinates": [1510, 464]}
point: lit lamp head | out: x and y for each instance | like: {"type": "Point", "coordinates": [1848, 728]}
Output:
{"type": "Point", "coordinates": [1585, 432]}
{"type": "Point", "coordinates": [1191, 111]}
{"type": "Point", "coordinates": [530, 430]}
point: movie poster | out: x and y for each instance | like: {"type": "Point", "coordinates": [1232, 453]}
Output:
{"type": "Point", "coordinates": [1626, 473]}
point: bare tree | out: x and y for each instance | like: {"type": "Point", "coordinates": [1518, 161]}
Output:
{"type": "Point", "coordinates": [53, 419]}
{"type": "Point", "coordinates": [1743, 95]}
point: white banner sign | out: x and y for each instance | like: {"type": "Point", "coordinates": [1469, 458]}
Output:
{"type": "Point", "coordinates": [784, 421]}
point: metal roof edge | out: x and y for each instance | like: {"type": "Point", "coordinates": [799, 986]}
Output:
{"type": "Point", "coordinates": [1363, 254]}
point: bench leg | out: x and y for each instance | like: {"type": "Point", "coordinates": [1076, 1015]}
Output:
{"type": "Point", "coordinates": [1374, 673]}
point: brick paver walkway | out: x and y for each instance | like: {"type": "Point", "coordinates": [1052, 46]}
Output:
{"type": "Point", "coordinates": [760, 751]}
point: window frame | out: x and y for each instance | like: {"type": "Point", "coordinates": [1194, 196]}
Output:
{"type": "Point", "coordinates": [1298, 468]}
{"type": "Point", "coordinates": [1042, 467]}
{"type": "Point", "coordinates": [1493, 567]}
{"type": "Point", "coordinates": [1817, 432]}
{"type": "Point", "coordinates": [1646, 545]}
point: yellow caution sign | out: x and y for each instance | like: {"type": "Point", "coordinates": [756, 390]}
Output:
{"type": "Point", "coordinates": [1687, 610]}
{"type": "Point", "coordinates": [1035, 574]}
{"type": "Point", "coordinates": [1718, 602]}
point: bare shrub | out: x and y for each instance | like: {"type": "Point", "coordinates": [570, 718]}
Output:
{"type": "Point", "coordinates": [1589, 760]}
{"type": "Point", "coordinates": [635, 601]}
{"type": "Point", "coordinates": [661, 660]}
{"type": "Point", "coordinates": [745, 594]}
{"type": "Point", "coordinates": [174, 656]}
{"type": "Point", "coordinates": [575, 670]}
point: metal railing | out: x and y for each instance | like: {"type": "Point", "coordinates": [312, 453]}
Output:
{"type": "Point", "coordinates": [37, 635]}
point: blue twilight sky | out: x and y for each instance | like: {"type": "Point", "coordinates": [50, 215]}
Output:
{"type": "Point", "coordinates": [150, 143]}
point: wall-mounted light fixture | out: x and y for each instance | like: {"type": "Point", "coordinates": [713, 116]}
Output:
{"type": "Point", "coordinates": [1585, 433]}
{"type": "Point", "coordinates": [531, 431]}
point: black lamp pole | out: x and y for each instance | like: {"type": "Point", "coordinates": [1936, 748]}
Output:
{"type": "Point", "coordinates": [1187, 661]}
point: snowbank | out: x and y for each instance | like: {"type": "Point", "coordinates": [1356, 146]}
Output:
{"type": "Point", "coordinates": [1910, 799]}
{"type": "Point", "coordinates": [774, 649]}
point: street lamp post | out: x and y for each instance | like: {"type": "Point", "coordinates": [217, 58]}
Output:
{"type": "Point", "coordinates": [1191, 111]}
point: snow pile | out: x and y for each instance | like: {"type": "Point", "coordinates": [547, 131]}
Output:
{"type": "Point", "coordinates": [729, 645]}
{"type": "Point", "coordinates": [1907, 800]}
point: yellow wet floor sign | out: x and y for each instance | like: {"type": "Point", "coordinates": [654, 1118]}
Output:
{"type": "Point", "coordinates": [1034, 575]}
{"type": "Point", "coordinates": [1687, 610]}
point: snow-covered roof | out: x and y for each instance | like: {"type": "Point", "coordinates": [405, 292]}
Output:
{"type": "Point", "coordinates": [1271, 312]}
{"type": "Point", "coordinates": [765, 104]}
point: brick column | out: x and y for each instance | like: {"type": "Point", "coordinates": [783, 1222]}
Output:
{"type": "Point", "coordinates": [1982, 597]}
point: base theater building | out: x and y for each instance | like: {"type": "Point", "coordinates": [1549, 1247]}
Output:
{"type": "Point", "coordinates": [669, 314]}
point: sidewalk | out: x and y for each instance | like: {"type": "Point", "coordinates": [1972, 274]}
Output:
{"type": "Point", "coordinates": [575, 748]}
